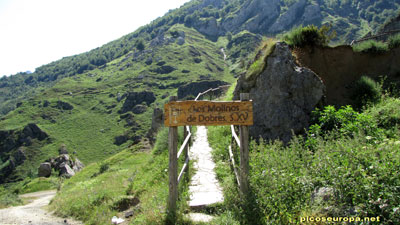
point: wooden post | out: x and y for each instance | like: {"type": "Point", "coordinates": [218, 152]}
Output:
{"type": "Point", "coordinates": [173, 167]}
{"type": "Point", "coordinates": [244, 153]}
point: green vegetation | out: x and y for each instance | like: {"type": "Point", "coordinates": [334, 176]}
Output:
{"type": "Point", "coordinates": [377, 47]}
{"type": "Point", "coordinates": [352, 156]}
{"type": "Point", "coordinates": [309, 36]}
{"type": "Point", "coordinates": [371, 46]}
{"type": "Point", "coordinates": [95, 198]}
{"type": "Point", "coordinates": [394, 41]}
{"type": "Point", "coordinates": [366, 91]}
{"type": "Point", "coordinates": [260, 62]}
{"type": "Point", "coordinates": [41, 184]}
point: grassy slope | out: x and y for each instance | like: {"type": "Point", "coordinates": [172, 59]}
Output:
{"type": "Point", "coordinates": [90, 128]}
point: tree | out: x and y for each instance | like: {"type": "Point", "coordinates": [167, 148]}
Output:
{"type": "Point", "coordinates": [140, 45]}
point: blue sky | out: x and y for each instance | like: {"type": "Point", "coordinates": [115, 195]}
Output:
{"type": "Point", "coordinates": [37, 32]}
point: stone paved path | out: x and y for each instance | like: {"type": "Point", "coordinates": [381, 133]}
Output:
{"type": "Point", "coordinates": [204, 188]}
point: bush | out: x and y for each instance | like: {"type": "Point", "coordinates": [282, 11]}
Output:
{"type": "Point", "coordinates": [344, 122]}
{"type": "Point", "coordinates": [309, 36]}
{"type": "Point", "coordinates": [365, 91]}
{"type": "Point", "coordinates": [371, 46]}
{"type": "Point", "coordinates": [394, 41]}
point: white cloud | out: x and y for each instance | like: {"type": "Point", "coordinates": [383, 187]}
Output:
{"type": "Point", "coordinates": [33, 33]}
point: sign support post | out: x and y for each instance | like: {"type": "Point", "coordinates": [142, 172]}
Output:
{"type": "Point", "coordinates": [244, 153]}
{"type": "Point", "coordinates": [173, 166]}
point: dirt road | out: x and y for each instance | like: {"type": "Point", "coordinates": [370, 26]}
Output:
{"type": "Point", "coordinates": [34, 213]}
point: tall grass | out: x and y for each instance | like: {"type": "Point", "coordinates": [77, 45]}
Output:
{"type": "Point", "coordinates": [371, 46]}
{"type": "Point", "coordinates": [309, 36]}
{"type": "Point", "coordinates": [394, 41]}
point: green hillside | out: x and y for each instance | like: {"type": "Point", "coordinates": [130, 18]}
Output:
{"type": "Point", "coordinates": [99, 104]}
{"type": "Point", "coordinates": [89, 112]}
{"type": "Point", "coordinates": [351, 19]}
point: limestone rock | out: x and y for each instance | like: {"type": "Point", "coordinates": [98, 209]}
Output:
{"type": "Point", "coordinates": [66, 170]}
{"type": "Point", "coordinates": [44, 170]}
{"type": "Point", "coordinates": [253, 16]}
{"type": "Point", "coordinates": [288, 18]}
{"type": "Point", "coordinates": [283, 95]}
{"type": "Point", "coordinates": [77, 165]}
{"type": "Point", "coordinates": [312, 13]}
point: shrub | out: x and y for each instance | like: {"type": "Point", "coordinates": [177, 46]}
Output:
{"type": "Point", "coordinates": [309, 36]}
{"type": "Point", "coordinates": [342, 122]}
{"type": "Point", "coordinates": [366, 90]}
{"type": "Point", "coordinates": [394, 41]}
{"type": "Point", "coordinates": [371, 46]}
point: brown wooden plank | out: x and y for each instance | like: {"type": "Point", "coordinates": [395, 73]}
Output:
{"type": "Point", "coordinates": [208, 113]}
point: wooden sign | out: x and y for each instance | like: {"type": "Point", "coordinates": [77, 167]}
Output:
{"type": "Point", "coordinates": [208, 113]}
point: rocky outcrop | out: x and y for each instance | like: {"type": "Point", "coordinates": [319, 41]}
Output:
{"type": "Point", "coordinates": [208, 27]}
{"type": "Point", "coordinates": [193, 89]}
{"type": "Point", "coordinates": [13, 147]}
{"type": "Point", "coordinates": [66, 166]}
{"type": "Point", "coordinates": [157, 121]}
{"type": "Point", "coordinates": [283, 95]}
{"type": "Point", "coordinates": [64, 105]}
{"type": "Point", "coordinates": [135, 98]}
{"type": "Point", "coordinates": [289, 17]}
{"type": "Point", "coordinates": [253, 16]}
{"type": "Point", "coordinates": [33, 131]}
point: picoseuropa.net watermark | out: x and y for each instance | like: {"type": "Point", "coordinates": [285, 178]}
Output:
{"type": "Point", "coordinates": [339, 219]}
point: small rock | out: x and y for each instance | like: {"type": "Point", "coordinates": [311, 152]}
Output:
{"type": "Point", "coordinates": [128, 214]}
{"type": "Point", "coordinates": [63, 149]}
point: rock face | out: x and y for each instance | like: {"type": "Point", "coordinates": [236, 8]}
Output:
{"type": "Point", "coordinates": [33, 131]}
{"type": "Point", "coordinates": [194, 88]}
{"type": "Point", "coordinates": [283, 95]}
{"type": "Point", "coordinates": [289, 17]}
{"type": "Point", "coordinates": [135, 98]}
{"type": "Point", "coordinates": [13, 146]}
{"type": "Point", "coordinates": [44, 170]}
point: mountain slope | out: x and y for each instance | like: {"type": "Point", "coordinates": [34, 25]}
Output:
{"type": "Point", "coordinates": [100, 112]}
{"type": "Point", "coordinates": [101, 101]}
{"type": "Point", "coordinates": [351, 19]}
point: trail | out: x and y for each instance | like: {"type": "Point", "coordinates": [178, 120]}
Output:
{"type": "Point", "coordinates": [204, 188]}
{"type": "Point", "coordinates": [34, 213]}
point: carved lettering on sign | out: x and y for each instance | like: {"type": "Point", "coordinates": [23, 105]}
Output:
{"type": "Point", "coordinates": [208, 113]}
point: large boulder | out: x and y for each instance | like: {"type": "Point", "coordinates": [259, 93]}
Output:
{"type": "Point", "coordinates": [284, 95]}
{"type": "Point", "coordinates": [44, 170]}
{"type": "Point", "coordinates": [66, 170]}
